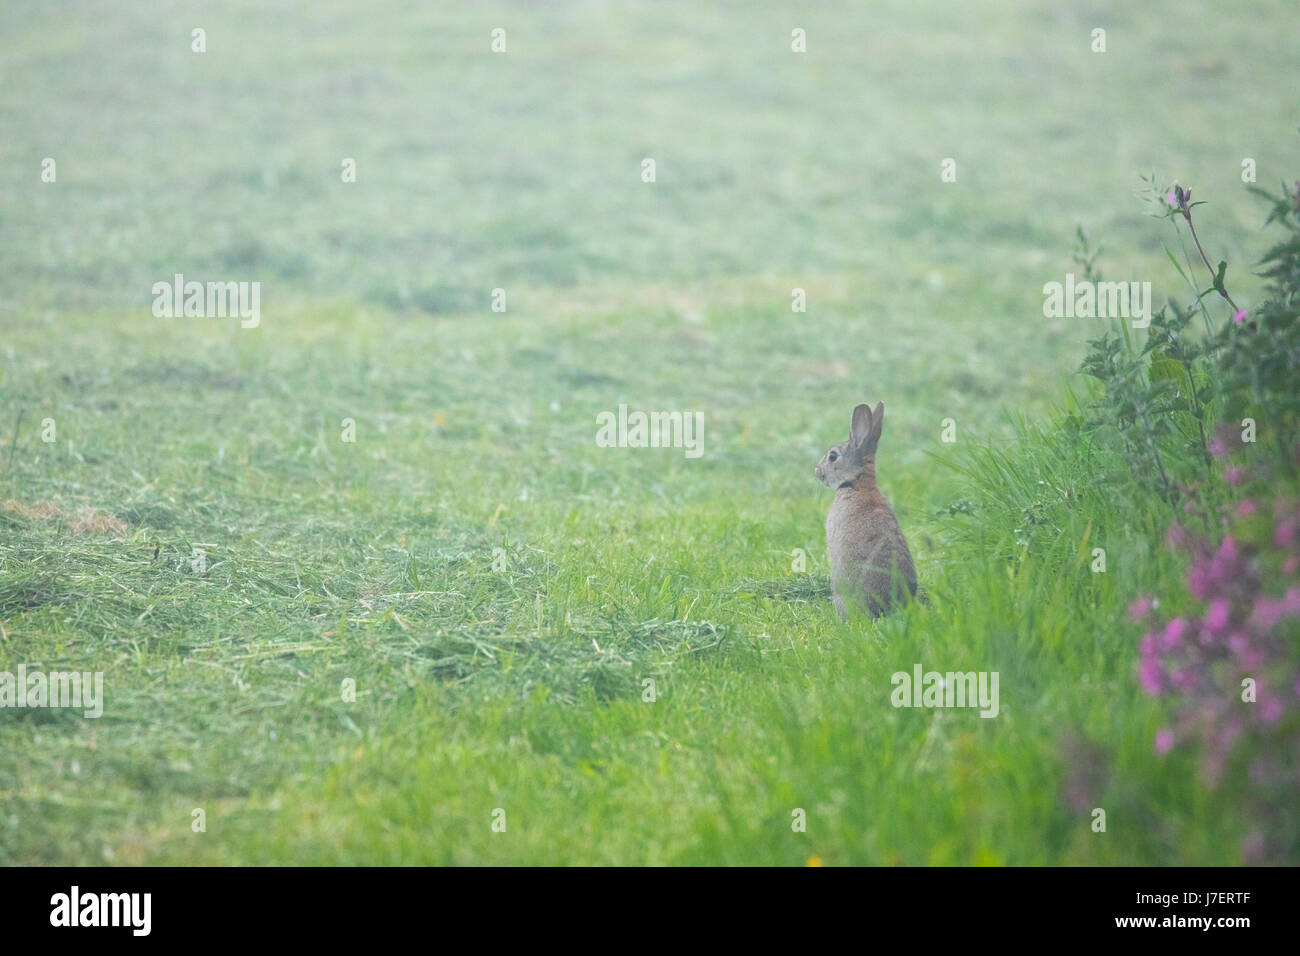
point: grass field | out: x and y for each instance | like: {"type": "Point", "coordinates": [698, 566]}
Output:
{"type": "Point", "coordinates": [496, 585]}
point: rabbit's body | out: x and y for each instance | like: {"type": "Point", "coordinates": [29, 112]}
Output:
{"type": "Point", "coordinates": [871, 565]}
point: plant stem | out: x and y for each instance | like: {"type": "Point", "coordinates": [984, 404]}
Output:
{"type": "Point", "coordinates": [1223, 292]}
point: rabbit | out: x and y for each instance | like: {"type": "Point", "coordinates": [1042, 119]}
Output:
{"type": "Point", "coordinates": [871, 565]}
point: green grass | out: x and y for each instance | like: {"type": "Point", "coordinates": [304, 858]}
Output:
{"type": "Point", "coordinates": [522, 688]}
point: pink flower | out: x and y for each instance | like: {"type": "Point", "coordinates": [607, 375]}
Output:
{"type": "Point", "coordinates": [1140, 608]}
{"type": "Point", "coordinates": [1151, 677]}
{"type": "Point", "coordinates": [1248, 657]}
{"type": "Point", "coordinates": [1216, 615]}
{"type": "Point", "coordinates": [1164, 741]}
{"type": "Point", "coordinates": [1174, 632]}
{"type": "Point", "coordinates": [1246, 508]}
{"type": "Point", "coordinates": [1233, 476]}
{"type": "Point", "coordinates": [1241, 314]}
{"type": "Point", "coordinates": [1198, 580]}
{"type": "Point", "coordinates": [1266, 612]}
{"type": "Point", "coordinates": [1285, 534]}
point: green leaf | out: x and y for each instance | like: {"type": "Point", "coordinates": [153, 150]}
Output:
{"type": "Point", "coordinates": [1218, 278]}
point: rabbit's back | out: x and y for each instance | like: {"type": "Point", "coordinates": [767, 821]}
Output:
{"type": "Point", "coordinates": [870, 560]}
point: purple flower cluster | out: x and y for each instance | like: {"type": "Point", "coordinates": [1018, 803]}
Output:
{"type": "Point", "coordinates": [1232, 670]}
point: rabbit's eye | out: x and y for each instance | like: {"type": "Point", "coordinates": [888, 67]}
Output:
{"type": "Point", "coordinates": [834, 455]}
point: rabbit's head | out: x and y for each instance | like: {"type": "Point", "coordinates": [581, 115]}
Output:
{"type": "Point", "coordinates": [850, 461]}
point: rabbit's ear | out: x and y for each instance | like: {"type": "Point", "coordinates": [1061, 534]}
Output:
{"type": "Point", "coordinates": [877, 421]}
{"type": "Point", "coordinates": [860, 427]}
